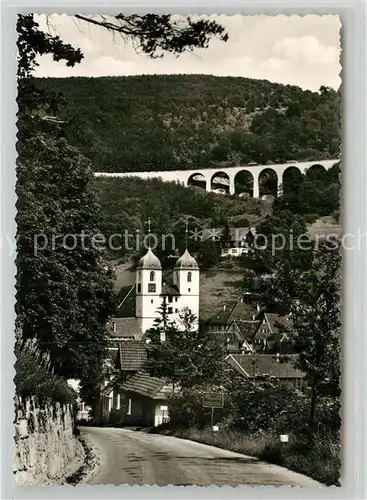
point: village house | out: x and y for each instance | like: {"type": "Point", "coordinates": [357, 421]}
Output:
{"type": "Point", "coordinates": [129, 395]}
{"type": "Point", "coordinates": [132, 396]}
{"type": "Point", "coordinates": [234, 323]}
{"type": "Point", "coordinates": [248, 329]}
{"type": "Point", "coordinates": [240, 240]}
{"type": "Point", "coordinates": [257, 366]}
{"type": "Point", "coordinates": [148, 399]}
{"type": "Point", "coordinates": [271, 333]}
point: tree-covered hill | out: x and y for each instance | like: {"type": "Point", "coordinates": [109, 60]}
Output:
{"type": "Point", "coordinates": [127, 203]}
{"type": "Point", "coordinates": [169, 122]}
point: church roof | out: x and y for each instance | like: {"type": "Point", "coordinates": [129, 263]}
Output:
{"type": "Point", "coordinates": [124, 328]}
{"type": "Point", "coordinates": [169, 290]}
{"type": "Point", "coordinates": [186, 261]}
{"type": "Point", "coordinates": [149, 261]}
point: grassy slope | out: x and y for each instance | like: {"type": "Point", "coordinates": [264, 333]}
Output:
{"type": "Point", "coordinates": [216, 288]}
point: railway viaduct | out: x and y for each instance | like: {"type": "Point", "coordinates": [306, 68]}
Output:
{"type": "Point", "coordinates": [224, 178]}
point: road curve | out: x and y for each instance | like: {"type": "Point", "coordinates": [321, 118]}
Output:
{"type": "Point", "coordinates": [130, 457]}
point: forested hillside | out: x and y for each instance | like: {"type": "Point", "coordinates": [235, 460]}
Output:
{"type": "Point", "coordinates": [168, 122]}
{"type": "Point", "coordinates": [127, 203]}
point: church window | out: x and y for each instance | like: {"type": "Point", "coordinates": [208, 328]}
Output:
{"type": "Point", "coordinates": [152, 276]}
{"type": "Point", "coordinates": [189, 276]}
{"type": "Point", "coordinates": [170, 310]}
{"type": "Point", "coordinates": [151, 287]}
{"type": "Point", "coordinates": [139, 275]}
{"type": "Point", "coordinates": [189, 289]}
{"type": "Point", "coordinates": [176, 299]}
{"type": "Point", "coordinates": [139, 288]}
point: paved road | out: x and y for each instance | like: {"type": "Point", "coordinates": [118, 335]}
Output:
{"type": "Point", "coordinates": [130, 457]}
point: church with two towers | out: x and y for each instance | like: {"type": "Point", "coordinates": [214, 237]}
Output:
{"type": "Point", "coordinates": [152, 291]}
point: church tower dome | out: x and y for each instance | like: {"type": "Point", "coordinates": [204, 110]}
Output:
{"type": "Point", "coordinates": [186, 262]}
{"type": "Point", "coordinates": [149, 261]}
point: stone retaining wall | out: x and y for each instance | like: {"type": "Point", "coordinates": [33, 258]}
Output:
{"type": "Point", "coordinates": [45, 449]}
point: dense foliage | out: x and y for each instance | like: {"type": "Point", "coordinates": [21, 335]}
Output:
{"type": "Point", "coordinates": [35, 376]}
{"type": "Point", "coordinates": [64, 295]}
{"type": "Point", "coordinates": [127, 203]}
{"type": "Point", "coordinates": [166, 122]}
{"type": "Point", "coordinates": [315, 194]}
{"type": "Point", "coordinates": [185, 355]}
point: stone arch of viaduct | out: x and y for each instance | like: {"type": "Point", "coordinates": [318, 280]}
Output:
{"type": "Point", "coordinates": [208, 174]}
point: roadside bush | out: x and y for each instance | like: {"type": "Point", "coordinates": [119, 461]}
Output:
{"type": "Point", "coordinates": [35, 376]}
{"type": "Point", "coordinates": [267, 405]}
{"type": "Point", "coordinates": [186, 410]}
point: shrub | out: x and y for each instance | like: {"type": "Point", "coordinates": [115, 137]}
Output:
{"type": "Point", "coordinates": [35, 376]}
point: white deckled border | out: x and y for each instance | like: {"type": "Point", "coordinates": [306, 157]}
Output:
{"type": "Point", "coordinates": [353, 17]}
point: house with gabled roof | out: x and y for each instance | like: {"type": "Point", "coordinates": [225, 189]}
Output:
{"type": "Point", "coordinates": [240, 240]}
{"type": "Point", "coordinates": [235, 323]}
{"type": "Point", "coordinates": [128, 359]}
{"type": "Point", "coordinates": [271, 332]}
{"type": "Point", "coordinates": [148, 399]}
{"type": "Point", "coordinates": [276, 367]}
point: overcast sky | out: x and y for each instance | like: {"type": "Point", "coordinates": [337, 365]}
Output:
{"type": "Point", "coordinates": [294, 50]}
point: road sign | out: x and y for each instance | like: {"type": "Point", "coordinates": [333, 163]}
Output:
{"type": "Point", "coordinates": [213, 400]}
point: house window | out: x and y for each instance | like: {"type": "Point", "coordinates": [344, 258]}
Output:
{"type": "Point", "coordinates": [81, 406]}
{"type": "Point", "coordinates": [139, 288]}
{"type": "Point", "coordinates": [139, 275]}
{"type": "Point", "coordinates": [152, 276]}
{"type": "Point", "coordinates": [128, 410]}
{"type": "Point", "coordinates": [189, 276]}
{"type": "Point", "coordinates": [151, 301]}
{"type": "Point", "coordinates": [170, 310]}
{"type": "Point", "coordinates": [176, 299]}
{"type": "Point", "coordinates": [176, 310]}
{"type": "Point", "coordinates": [170, 299]}
{"type": "Point", "coordinates": [189, 290]}
{"type": "Point", "coordinates": [151, 287]}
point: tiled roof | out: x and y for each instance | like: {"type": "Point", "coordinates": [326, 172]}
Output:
{"type": "Point", "coordinates": [242, 311]}
{"type": "Point", "coordinates": [272, 324]}
{"type": "Point", "coordinates": [234, 311]}
{"type": "Point", "coordinates": [263, 364]}
{"type": "Point", "coordinates": [108, 388]}
{"type": "Point", "coordinates": [276, 322]}
{"type": "Point", "coordinates": [222, 317]}
{"type": "Point", "coordinates": [132, 355]}
{"type": "Point", "coordinates": [246, 328]}
{"type": "Point", "coordinates": [168, 289]}
{"type": "Point", "coordinates": [124, 328]}
{"type": "Point", "coordinates": [145, 385]}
